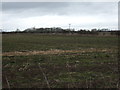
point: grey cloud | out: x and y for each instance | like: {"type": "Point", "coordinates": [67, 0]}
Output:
{"type": "Point", "coordinates": [23, 10]}
{"type": "Point", "coordinates": [28, 5]}
{"type": "Point", "coordinates": [94, 8]}
{"type": "Point", "coordinates": [60, 8]}
{"type": "Point", "coordinates": [34, 8]}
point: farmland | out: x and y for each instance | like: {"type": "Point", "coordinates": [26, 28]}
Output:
{"type": "Point", "coordinates": [59, 61]}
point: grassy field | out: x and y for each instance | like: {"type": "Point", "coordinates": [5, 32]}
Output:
{"type": "Point", "coordinates": [59, 61]}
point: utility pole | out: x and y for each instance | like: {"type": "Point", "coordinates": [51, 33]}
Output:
{"type": "Point", "coordinates": [69, 26]}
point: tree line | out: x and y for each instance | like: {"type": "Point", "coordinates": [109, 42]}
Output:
{"type": "Point", "coordinates": [56, 30]}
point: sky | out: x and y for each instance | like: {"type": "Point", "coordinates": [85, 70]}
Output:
{"type": "Point", "coordinates": [81, 15]}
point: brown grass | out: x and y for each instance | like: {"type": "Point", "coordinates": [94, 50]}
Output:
{"type": "Point", "coordinates": [53, 51]}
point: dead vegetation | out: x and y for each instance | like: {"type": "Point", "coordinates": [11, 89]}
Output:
{"type": "Point", "coordinates": [53, 51]}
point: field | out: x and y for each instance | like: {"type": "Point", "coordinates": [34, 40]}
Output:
{"type": "Point", "coordinates": [59, 61]}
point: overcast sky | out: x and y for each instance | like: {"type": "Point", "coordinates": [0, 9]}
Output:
{"type": "Point", "coordinates": [81, 15]}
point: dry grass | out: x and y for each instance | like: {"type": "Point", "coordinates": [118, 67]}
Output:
{"type": "Point", "coordinates": [53, 51]}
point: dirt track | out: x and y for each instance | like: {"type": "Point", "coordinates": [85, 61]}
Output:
{"type": "Point", "coordinates": [53, 51]}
